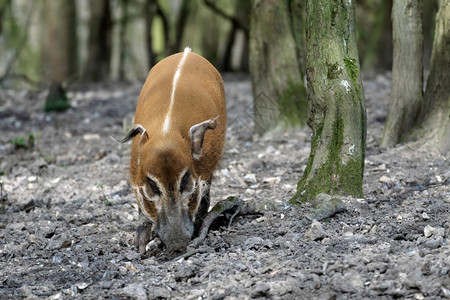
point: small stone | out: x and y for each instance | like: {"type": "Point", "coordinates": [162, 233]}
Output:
{"type": "Point", "coordinates": [254, 242]}
{"type": "Point", "coordinates": [82, 285]}
{"type": "Point", "coordinates": [425, 216]}
{"type": "Point", "coordinates": [32, 179]}
{"type": "Point", "coordinates": [91, 137]}
{"type": "Point", "coordinates": [59, 242]}
{"type": "Point", "coordinates": [261, 290]}
{"type": "Point", "coordinates": [386, 180]}
{"type": "Point", "coordinates": [56, 296]}
{"type": "Point", "coordinates": [250, 178]}
{"type": "Point", "coordinates": [315, 232]}
{"type": "Point", "coordinates": [272, 180]}
{"type": "Point", "coordinates": [432, 231]}
{"type": "Point", "coordinates": [135, 291]}
{"type": "Point", "coordinates": [445, 292]}
{"type": "Point", "coordinates": [250, 191]}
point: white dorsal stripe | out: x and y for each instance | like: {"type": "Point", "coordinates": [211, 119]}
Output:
{"type": "Point", "coordinates": [166, 124]}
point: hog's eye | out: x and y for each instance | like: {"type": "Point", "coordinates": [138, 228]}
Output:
{"type": "Point", "coordinates": [153, 187]}
{"type": "Point", "coordinates": [185, 181]}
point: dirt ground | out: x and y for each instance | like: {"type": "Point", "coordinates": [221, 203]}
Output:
{"type": "Point", "coordinates": [68, 216]}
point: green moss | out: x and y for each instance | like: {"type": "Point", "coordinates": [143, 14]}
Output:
{"type": "Point", "coordinates": [352, 68]}
{"type": "Point", "coordinates": [333, 71]}
{"type": "Point", "coordinates": [293, 105]}
{"type": "Point", "coordinates": [333, 177]}
{"type": "Point", "coordinates": [56, 105]}
{"type": "Point", "coordinates": [57, 99]}
{"type": "Point", "coordinates": [24, 143]}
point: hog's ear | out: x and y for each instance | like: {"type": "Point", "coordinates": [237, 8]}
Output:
{"type": "Point", "coordinates": [197, 133]}
{"type": "Point", "coordinates": [135, 130]}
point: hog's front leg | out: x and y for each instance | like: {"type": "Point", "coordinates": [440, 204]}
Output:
{"type": "Point", "coordinates": [144, 233]}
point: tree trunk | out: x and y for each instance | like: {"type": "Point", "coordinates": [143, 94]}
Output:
{"type": "Point", "coordinates": [122, 42]}
{"type": "Point", "coordinates": [435, 112]}
{"type": "Point", "coordinates": [337, 114]}
{"type": "Point", "coordinates": [407, 71]}
{"type": "Point", "coordinates": [180, 24]}
{"type": "Point", "coordinates": [60, 48]}
{"type": "Point", "coordinates": [99, 42]}
{"type": "Point", "coordinates": [278, 88]}
{"type": "Point", "coordinates": [374, 34]}
{"type": "Point", "coordinates": [150, 8]}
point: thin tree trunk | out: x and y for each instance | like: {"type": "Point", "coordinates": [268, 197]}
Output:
{"type": "Point", "coordinates": [60, 48]}
{"type": "Point", "coordinates": [122, 41]}
{"type": "Point", "coordinates": [166, 30]}
{"type": "Point", "coordinates": [150, 8]}
{"type": "Point", "coordinates": [99, 41]}
{"type": "Point", "coordinates": [226, 65]}
{"type": "Point", "coordinates": [435, 112]}
{"type": "Point", "coordinates": [337, 113]}
{"type": "Point", "coordinates": [278, 88]}
{"type": "Point", "coordinates": [407, 71]}
{"type": "Point", "coordinates": [375, 34]}
{"type": "Point", "coordinates": [182, 18]}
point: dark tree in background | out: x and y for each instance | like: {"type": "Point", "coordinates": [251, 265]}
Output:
{"type": "Point", "coordinates": [150, 9]}
{"type": "Point", "coordinates": [336, 114]}
{"type": "Point", "coordinates": [60, 49]}
{"type": "Point", "coordinates": [97, 66]}
{"type": "Point", "coordinates": [122, 33]}
{"type": "Point", "coordinates": [407, 71]}
{"type": "Point", "coordinates": [276, 69]}
{"type": "Point", "coordinates": [374, 34]}
{"type": "Point", "coordinates": [434, 121]}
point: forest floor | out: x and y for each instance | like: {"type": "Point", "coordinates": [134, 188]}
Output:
{"type": "Point", "coordinates": [68, 216]}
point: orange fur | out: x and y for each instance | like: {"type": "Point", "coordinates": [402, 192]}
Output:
{"type": "Point", "coordinates": [199, 96]}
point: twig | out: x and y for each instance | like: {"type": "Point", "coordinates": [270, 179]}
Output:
{"type": "Point", "coordinates": [223, 14]}
{"type": "Point", "coordinates": [189, 254]}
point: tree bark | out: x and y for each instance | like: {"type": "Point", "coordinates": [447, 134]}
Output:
{"type": "Point", "coordinates": [150, 8]}
{"type": "Point", "coordinates": [407, 71]}
{"type": "Point", "coordinates": [60, 47]}
{"type": "Point", "coordinates": [278, 88]}
{"type": "Point", "coordinates": [374, 34]}
{"type": "Point", "coordinates": [99, 41]}
{"type": "Point", "coordinates": [60, 50]}
{"type": "Point", "coordinates": [180, 24]}
{"type": "Point", "coordinates": [337, 114]}
{"type": "Point", "coordinates": [435, 112]}
{"type": "Point", "coordinates": [122, 42]}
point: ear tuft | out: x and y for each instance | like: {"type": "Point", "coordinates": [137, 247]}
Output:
{"type": "Point", "coordinates": [197, 133]}
{"type": "Point", "coordinates": [135, 130]}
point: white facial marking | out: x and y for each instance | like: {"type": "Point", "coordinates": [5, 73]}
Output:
{"type": "Point", "coordinates": [202, 186]}
{"type": "Point", "coordinates": [166, 124]}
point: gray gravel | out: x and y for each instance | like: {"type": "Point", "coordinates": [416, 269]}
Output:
{"type": "Point", "coordinates": [68, 216]}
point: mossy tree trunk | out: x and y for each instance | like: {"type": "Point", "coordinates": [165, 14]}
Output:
{"type": "Point", "coordinates": [337, 114]}
{"type": "Point", "coordinates": [60, 50]}
{"type": "Point", "coordinates": [278, 88]}
{"type": "Point", "coordinates": [435, 112]}
{"type": "Point", "coordinates": [99, 41]}
{"type": "Point", "coordinates": [407, 71]}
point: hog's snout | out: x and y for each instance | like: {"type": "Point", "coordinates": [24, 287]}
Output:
{"type": "Point", "coordinates": [175, 230]}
